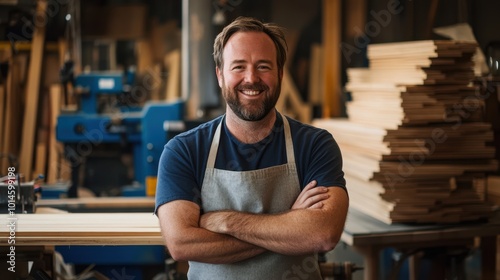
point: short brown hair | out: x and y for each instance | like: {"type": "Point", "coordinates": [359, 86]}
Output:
{"type": "Point", "coordinates": [242, 24]}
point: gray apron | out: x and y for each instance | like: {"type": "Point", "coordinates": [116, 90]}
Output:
{"type": "Point", "coordinates": [268, 190]}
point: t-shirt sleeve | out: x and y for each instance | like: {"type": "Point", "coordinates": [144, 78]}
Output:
{"type": "Point", "coordinates": [325, 162]}
{"type": "Point", "coordinates": [176, 179]}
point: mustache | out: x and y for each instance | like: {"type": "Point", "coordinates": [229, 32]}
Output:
{"type": "Point", "coordinates": [256, 86]}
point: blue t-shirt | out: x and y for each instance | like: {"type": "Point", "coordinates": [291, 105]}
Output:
{"type": "Point", "coordinates": [183, 161]}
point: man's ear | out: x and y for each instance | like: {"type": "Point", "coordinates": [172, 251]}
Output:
{"type": "Point", "coordinates": [218, 72]}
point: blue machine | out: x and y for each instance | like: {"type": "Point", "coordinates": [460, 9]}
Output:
{"type": "Point", "coordinates": [108, 113]}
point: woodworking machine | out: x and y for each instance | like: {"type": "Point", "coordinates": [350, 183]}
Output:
{"type": "Point", "coordinates": [109, 110]}
{"type": "Point", "coordinates": [17, 197]}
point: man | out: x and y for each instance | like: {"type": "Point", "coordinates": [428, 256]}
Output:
{"type": "Point", "coordinates": [232, 197]}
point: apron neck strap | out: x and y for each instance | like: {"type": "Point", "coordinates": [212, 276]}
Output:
{"type": "Point", "coordinates": [216, 140]}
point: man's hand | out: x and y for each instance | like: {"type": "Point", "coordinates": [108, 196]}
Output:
{"type": "Point", "coordinates": [311, 197]}
{"type": "Point", "coordinates": [213, 221]}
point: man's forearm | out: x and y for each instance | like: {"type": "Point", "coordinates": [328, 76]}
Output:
{"type": "Point", "coordinates": [294, 232]}
{"type": "Point", "coordinates": [187, 241]}
{"type": "Point", "coordinates": [270, 232]}
{"type": "Point", "coordinates": [210, 247]}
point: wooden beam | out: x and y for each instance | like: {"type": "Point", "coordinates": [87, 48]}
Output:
{"type": "Point", "coordinates": [55, 148]}
{"type": "Point", "coordinates": [32, 93]}
{"type": "Point", "coordinates": [315, 75]}
{"type": "Point", "coordinates": [4, 94]}
{"type": "Point", "coordinates": [432, 18]}
{"type": "Point", "coordinates": [355, 17]}
{"type": "Point", "coordinates": [332, 66]}
{"type": "Point", "coordinates": [172, 62]}
{"type": "Point", "coordinates": [290, 102]}
{"type": "Point", "coordinates": [9, 140]}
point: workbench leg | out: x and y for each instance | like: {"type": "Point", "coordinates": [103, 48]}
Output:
{"type": "Point", "coordinates": [371, 262]}
{"type": "Point", "coordinates": [488, 257]}
{"type": "Point", "coordinates": [414, 266]}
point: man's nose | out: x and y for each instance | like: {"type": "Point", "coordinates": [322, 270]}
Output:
{"type": "Point", "coordinates": [251, 76]}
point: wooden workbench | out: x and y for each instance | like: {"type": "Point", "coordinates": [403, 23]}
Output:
{"type": "Point", "coordinates": [369, 236]}
{"type": "Point", "coordinates": [83, 229]}
{"type": "Point", "coordinates": [52, 225]}
{"type": "Point", "coordinates": [36, 235]}
{"type": "Point", "coordinates": [365, 234]}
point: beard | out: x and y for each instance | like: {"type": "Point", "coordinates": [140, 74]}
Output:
{"type": "Point", "coordinates": [255, 110]}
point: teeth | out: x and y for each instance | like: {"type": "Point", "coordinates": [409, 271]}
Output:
{"type": "Point", "coordinates": [251, 92]}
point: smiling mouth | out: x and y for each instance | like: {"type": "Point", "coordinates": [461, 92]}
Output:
{"type": "Point", "coordinates": [250, 92]}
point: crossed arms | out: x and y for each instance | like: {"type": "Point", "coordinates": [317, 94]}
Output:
{"type": "Point", "coordinates": [313, 224]}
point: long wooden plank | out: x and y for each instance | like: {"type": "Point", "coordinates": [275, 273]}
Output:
{"type": "Point", "coordinates": [9, 143]}
{"type": "Point", "coordinates": [40, 163]}
{"type": "Point", "coordinates": [84, 229]}
{"type": "Point", "coordinates": [315, 75]}
{"type": "Point", "coordinates": [172, 62]}
{"type": "Point", "coordinates": [32, 93]}
{"type": "Point", "coordinates": [290, 95]}
{"type": "Point", "coordinates": [332, 18]}
{"type": "Point", "coordinates": [53, 162]}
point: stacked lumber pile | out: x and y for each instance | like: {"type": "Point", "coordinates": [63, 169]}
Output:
{"type": "Point", "coordinates": [414, 145]}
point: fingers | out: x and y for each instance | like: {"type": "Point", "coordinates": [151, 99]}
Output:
{"type": "Point", "coordinates": [310, 201]}
{"type": "Point", "coordinates": [317, 205]}
{"type": "Point", "coordinates": [311, 196]}
{"type": "Point", "coordinates": [309, 186]}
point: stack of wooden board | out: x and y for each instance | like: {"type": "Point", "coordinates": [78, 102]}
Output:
{"type": "Point", "coordinates": [414, 146]}
{"type": "Point", "coordinates": [415, 83]}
